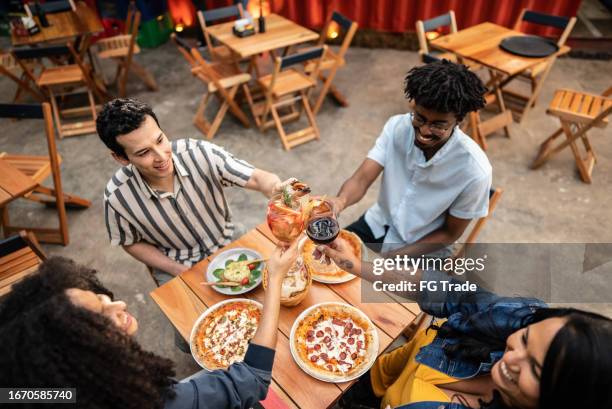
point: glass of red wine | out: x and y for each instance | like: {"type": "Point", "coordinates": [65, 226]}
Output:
{"type": "Point", "coordinates": [323, 227]}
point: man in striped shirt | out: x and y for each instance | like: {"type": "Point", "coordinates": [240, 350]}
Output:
{"type": "Point", "coordinates": [166, 206]}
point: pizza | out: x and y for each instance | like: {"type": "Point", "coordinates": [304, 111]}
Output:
{"type": "Point", "coordinates": [334, 342]}
{"type": "Point", "coordinates": [221, 336]}
{"type": "Point", "coordinates": [330, 273]}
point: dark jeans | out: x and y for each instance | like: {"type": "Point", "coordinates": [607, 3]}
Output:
{"type": "Point", "coordinates": [360, 395]}
{"type": "Point", "coordinates": [360, 228]}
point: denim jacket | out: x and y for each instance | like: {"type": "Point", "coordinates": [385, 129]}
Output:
{"type": "Point", "coordinates": [479, 313]}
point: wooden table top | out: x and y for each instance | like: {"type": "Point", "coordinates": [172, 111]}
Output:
{"type": "Point", "coordinates": [63, 25]}
{"type": "Point", "coordinates": [13, 183]}
{"type": "Point", "coordinates": [280, 33]}
{"type": "Point", "coordinates": [183, 299]}
{"type": "Point", "coordinates": [480, 43]}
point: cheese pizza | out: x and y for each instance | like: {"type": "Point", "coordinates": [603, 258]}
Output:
{"type": "Point", "coordinates": [334, 342]}
{"type": "Point", "coordinates": [221, 335]}
{"type": "Point", "coordinates": [331, 273]}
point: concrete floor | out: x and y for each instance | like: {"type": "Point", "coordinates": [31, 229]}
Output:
{"type": "Point", "coordinates": [550, 205]}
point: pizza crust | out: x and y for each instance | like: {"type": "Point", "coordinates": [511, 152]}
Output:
{"type": "Point", "coordinates": [319, 319]}
{"type": "Point", "coordinates": [330, 273]}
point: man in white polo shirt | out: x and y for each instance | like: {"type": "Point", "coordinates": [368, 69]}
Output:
{"type": "Point", "coordinates": [436, 179]}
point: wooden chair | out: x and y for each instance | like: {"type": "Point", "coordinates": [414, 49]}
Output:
{"type": "Point", "coordinates": [435, 24]}
{"type": "Point", "coordinates": [578, 113]}
{"type": "Point", "coordinates": [333, 61]}
{"type": "Point", "coordinates": [52, 7]}
{"type": "Point", "coordinates": [11, 69]}
{"type": "Point", "coordinates": [283, 89]}
{"type": "Point", "coordinates": [39, 168]}
{"type": "Point", "coordinates": [223, 80]}
{"type": "Point", "coordinates": [61, 81]}
{"type": "Point", "coordinates": [538, 73]}
{"type": "Point", "coordinates": [219, 52]}
{"type": "Point", "coordinates": [423, 319]}
{"type": "Point", "coordinates": [122, 48]}
{"type": "Point", "coordinates": [20, 256]}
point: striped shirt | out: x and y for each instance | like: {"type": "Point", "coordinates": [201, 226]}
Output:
{"type": "Point", "coordinates": [188, 224]}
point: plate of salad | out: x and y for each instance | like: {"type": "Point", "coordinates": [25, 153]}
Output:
{"type": "Point", "coordinates": [237, 271]}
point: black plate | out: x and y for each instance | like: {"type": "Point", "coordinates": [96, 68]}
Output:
{"type": "Point", "coordinates": [529, 46]}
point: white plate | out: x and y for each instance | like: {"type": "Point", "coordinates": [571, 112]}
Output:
{"type": "Point", "coordinates": [233, 254]}
{"type": "Point", "coordinates": [373, 348]}
{"type": "Point", "coordinates": [194, 330]}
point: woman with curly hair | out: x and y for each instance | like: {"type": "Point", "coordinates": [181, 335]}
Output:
{"type": "Point", "coordinates": [62, 328]}
{"type": "Point", "coordinates": [487, 351]}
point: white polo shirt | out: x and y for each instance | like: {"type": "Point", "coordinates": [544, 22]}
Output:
{"type": "Point", "coordinates": [417, 193]}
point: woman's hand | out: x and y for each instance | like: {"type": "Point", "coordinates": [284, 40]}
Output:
{"type": "Point", "coordinates": [342, 254]}
{"type": "Point", "coordinates": [281, 261]}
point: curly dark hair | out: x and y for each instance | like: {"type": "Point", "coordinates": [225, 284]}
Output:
{"type": "Point", "coordinates": [119, 117]}
{"type": "Point", "coordinates": [443, 86]}
{"type": "Point", "coordinates": [47, 341]}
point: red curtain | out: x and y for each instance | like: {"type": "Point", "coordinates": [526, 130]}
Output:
{"type": "Point", "coordinates": [401, 15]}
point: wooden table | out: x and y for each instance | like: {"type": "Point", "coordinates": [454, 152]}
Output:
{"type": "Point", "coordinates": [183, 299]}
{"type": "Point", "coordinates": [480, 43]}
{"type": "Point", "coordinates": [64, 25]}
{"type": "Point", "coordinates": [13, 183]}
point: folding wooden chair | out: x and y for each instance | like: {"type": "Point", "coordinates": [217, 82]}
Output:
{"type": "Point", "coordinates": [20, 256]}
{"type": "Point", "coordinates": [39, 168]}
{"type": "Point", "coordinates": [48, 7]}
{"type": "Point", "coordinates": [423, 319]}
{"type": "Point", "coordinates": [11, 69]}
{"type": "Point", "coordinates": [333, 61]}
{"type": "Point", "coordinates": [436, 24]}
{"type": "Point", "coordinates": [61, 81]}
{"type": "Point", "coordinates": [219, 52]}
{"type": "Point", "coordinates": [538, 73]}
{"type": "Point", "coordinates": [122, 48]}
{"type": "Point", "coordinates": [222, 80]}
{"type": "Point", "coordinates": [283, 89]}
{"type": "Point", "coordinates": [578, 113]}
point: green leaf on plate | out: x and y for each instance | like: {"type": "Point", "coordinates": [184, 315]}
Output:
{"type": "Point", "coordinates": [237, 288]}
{"type": "Point", "coordinates": [250, 284]}
{"type": "Point", "coordinates": [228, 262]}
{"type": "Point", "coordinates": [221, 286]}
{"type": "Point", "coordinates": [218, 273]}
{"type": "Point", "coordinates": [242, 257]}
{"type": "Point", "coordinates": [255, 274]}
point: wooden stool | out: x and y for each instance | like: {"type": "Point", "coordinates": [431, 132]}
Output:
{"type": "Point", "coordinates": [578, 112]}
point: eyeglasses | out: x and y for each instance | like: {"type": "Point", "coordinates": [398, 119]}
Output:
{"type": "Point", "coordinates": [434, 128]}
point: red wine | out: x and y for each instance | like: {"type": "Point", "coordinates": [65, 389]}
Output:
{"type": "Point", "coordinates": [323, 230]}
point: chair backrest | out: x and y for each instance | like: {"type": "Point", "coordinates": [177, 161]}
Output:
{"type": "Point", "coordinates": [422, 27]}
{"type": "Point", "coordinates": [132, 20]}
{"type": "Point", "coordinates": [19, 241]}
{"type": "Point", "coordinates": [50, 7]}
{"type": "Point", "coordinates": [184, 49]}
{"type": "Point", "coordinates": [428, 58]}
{"type": "Point", "coordinates": [562, 23]}
{"type": "Point", "coordinates": [210, 16]}
{"type": "Point", "coordinates": [26, 53]}
{"type": "Point", "coordinates": [348, 26]}
{"type": "Point", "coordinates": [300, 57]}
{"type": "Point", "coordinates": [204, 71]}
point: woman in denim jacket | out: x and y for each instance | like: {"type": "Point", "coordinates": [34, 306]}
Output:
{"type": "Point", "coordinates": [487, 351]}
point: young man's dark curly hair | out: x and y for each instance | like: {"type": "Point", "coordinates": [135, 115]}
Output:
{"type": "Point", "coordinates": [47, 342]}
{"type": "Point", "coordinates": [119, 117]}
{"type": "Point", "coordinates": [445, 87]}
